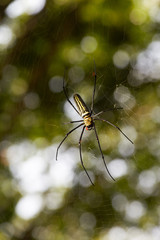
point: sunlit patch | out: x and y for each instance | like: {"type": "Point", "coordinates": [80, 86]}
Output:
{"type": "Point", "coordinates": [147, 182]}
{"type": "Point", "coordinates": [62, 173]}
{"type": "Point", "coordinates": [138, 16]}
{"type": "Point", "coordinates": [40, 179]}
{"type": "Point", "coordinates": [36, 171]}
{"type": "Point", "coordinates": [119, 202]}
{"type": "Point", "coordinates": [18, 87]}
{"type": "Point", "coordinates": [118, 167]}
{"type": "Point", "coordinates": [18, 152]}
{"type": "Point", "coordinates": [126, 149]}
{"type": "Point", "coordinates": [131, 132]}
{"type": "Point", "coordinates": [83, 178]}
{"type": "Point", "coordinates": [87, 221]}
{"type": "Point", "coordinates": [97, 163]}
{"type": "Point", "coordinates": [124, 97]}
{"type": "Point", "coordinates": [154, 13]}
{"type": "Point", "coordinates": [121, 59]}
{"type": "Point", "coordinates": [131, 233]}
{"type": "Point", "coordinates": [19, 7]}
{"type": "Point", "coordinates": [63, 176]}
{"type": "Point", "coordinates": [54, 199]}
{"type": "Point", "coordinates": [134, 211]}
{"type": "Point", "coordinates": [76, 74]}
{"type": "Point", "coordinates": [29, 165]}
{"type": "Point", "coordinates": [31, 100]}
{"type": "Point", "coordinates": [147, 65]}
{"type": "Point", "coordinates": [156, 170]}
{"type": "Point", "coordinates": [154, 145]}
{"type": "Point", "coordinates": [5, 34]}
{"type": "Point", "coordinates": [29, 206]}
{"type": "Point", "coordinates": [155, 114]}
{"type": "Point", "coordinates": [116, 232]}
{"type": "Point", "coordinates": [56, 84]}
{"type": "Point", "coordinates": [89, 44]}
{"type": "Point", "coordinates": [70, 113]}
{"type": "Point", "coordinates": [30, 172]}
{"type": "Point", "coordinates": [75, 55]}
{"type": "Point", "coordinates": [155, 231]}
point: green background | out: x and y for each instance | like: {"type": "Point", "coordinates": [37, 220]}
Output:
{"type": "Point", "coordinates": [123, 39]}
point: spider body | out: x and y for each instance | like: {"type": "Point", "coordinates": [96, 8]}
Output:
{"type": "Point", "coordinates": [88, 122]}
{"type": "Point", "coordinates": [84, 111]}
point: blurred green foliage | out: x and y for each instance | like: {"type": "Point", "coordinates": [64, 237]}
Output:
{"type": "Point", "coordinates": [63, 39]}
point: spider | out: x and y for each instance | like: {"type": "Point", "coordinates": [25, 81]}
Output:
{"type": "Point", "coordinates": [88, 122]}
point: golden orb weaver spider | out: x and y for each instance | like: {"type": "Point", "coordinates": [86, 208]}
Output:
{"type": "Point", "coordinates": [88, 122]}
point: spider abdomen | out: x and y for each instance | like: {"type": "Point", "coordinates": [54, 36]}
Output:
{"type": "Point", "coordinates": [84, 111]}
{"type": "Point", "coordinates": [82, 107]}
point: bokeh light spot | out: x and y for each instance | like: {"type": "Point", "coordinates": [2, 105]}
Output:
{"type": "Point", "coordinates": [89, 44]}
{"type": "Point", "coordinates": [18, 87]}
{"type": "Point", "coordinates": [123, 96]}
{"type": "Point", "coordinates": [119, 202]}
{"type": "Point", "coordinates": [116, 232]}
{"type": "Point", "coordinates": [138, 16]}
{"type": "Point", "coordinates": [19, 7]}
{"type": "Point", "coordinates": [56, 84]}
{"type": "Point", "coordinates": [76, 74]}
{"type": "Point", "coordinates": [87, 220]}
{"type": "Point", "coordinates": [134, 210]}
{"type": "Point", "coordinates": [147, 65]}
{"type": "Point", "coordinates": [31, 100]}
{"type": "Point", "coordinates": [125, 148]}
{"type": "Point", "coordinates": [147, 182]}
{"type": "Point", "coordinates": [84, 180]}
{"type": "Point", "coordinates": [121, 59]}
{"type": "Point", "coordinates": [5, 35]}
{"type": "Point", "coordinates": [29, 206]}
{"type": "Point", "coordinates": [118, 167]}
{"type": "Point", "coordinates": [155, 114]}
{"type": "Point", "coordinates": [75, 55]}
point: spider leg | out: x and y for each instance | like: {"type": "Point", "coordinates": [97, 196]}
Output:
{"type": "Point", "coordinates": [66, 137]}
{"type": "Point", "coordinates": [80, 152]}
{"type": "Point", "coordinates": [110, 109]}
{"type": "Point", "coordinates": [73, 121]}
{"type": "Point", "coordinates": [95, 78]}
{"type": "Point", "coordinates": [102, 153]}
{"type": "Point", "coordinates": [103, 120]}
{"type": "Point", "coordinates": [68, 98]}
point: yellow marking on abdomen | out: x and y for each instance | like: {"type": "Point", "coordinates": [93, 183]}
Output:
{"type": "Point", "coordinates": [87, 121]}
{"type": "Point", "coordinates": [82, 107]}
